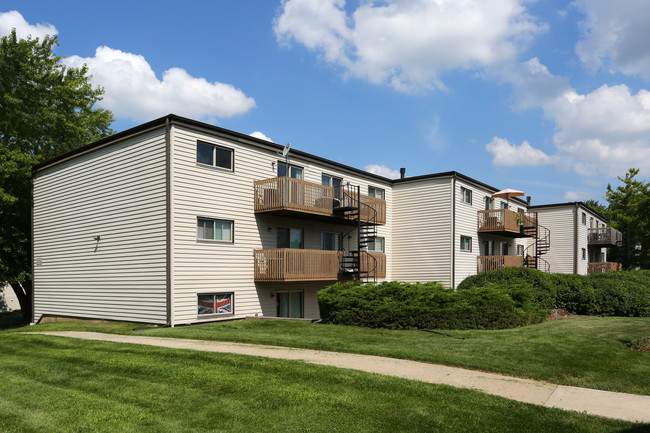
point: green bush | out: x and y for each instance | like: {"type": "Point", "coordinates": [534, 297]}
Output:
{"type": "Point", "coordinates": [396, 305]}
{"type": "Point", "coordinates": [623, 293]}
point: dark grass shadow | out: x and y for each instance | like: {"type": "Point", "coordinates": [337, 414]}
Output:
{"type": "Point", "coordinates": [11, 319]}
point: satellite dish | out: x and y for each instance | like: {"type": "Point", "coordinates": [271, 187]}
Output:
{"type": "Point", "coordinates": [285, 151]}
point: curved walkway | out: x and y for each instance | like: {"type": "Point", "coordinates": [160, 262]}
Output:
{"type": "Point", "coordinates": [628, 407]}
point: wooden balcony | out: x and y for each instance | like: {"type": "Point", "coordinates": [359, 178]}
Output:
{"type": "Point", "coordinates": [282, 195]}
{"type": "Point", "coordinates": [506, 222]}
{"type": "Point", "coordinates": [491, 263]}
{"type": "Point", "coordinates": [605, 236]}
{"type": "Point", "coordinates": [595, 268]}
{"type": "Point", "coordinates": [286, 264]}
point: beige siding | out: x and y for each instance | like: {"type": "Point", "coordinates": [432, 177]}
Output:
{"type": "Point", "coordinates": [560, 221]}
{"type": "Point", "coordinates": [421, 247]}
{"type": "Point", "coordinates": [118, 193]}
{"type": "Point", "coordinates": [212, 267]}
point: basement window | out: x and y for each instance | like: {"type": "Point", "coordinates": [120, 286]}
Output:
{"type": "Point", "coordinates": [215, 304]}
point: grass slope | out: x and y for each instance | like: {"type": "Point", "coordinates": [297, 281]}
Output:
{"type": "Point", "coordinates": [65, 385]}
{"type": "Point", "coordinates": [589, 352]}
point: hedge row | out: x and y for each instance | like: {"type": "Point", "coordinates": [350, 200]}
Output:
{"type": "Point", "coordinates": [625, 293]}
{"type": "Point", "coordinates": [396, 305]}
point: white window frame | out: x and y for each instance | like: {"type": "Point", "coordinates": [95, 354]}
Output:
{"type": "Point", "coordinates": [520, 250]}
{"type": "Point", "coordinates": [288, 170]}
{"type": "Point", "coordinates": [372, 192]}
{"type": "Point", "coordinates": [374, 245]}
{"type": "Point", "coordinates": [214, 231]}
{"type": "Point", "coordinates": [465, 195]}
{"type": "Point", "coordinates": [584, 219]}
{"type": "Point", "coordinates": [215, 308]}
{"type": "Point", "coordinates": [462, 244]}
{"type": "Point", "coordinates": [489, 203]}
{"type": "Point", "coordinates": [213, 164]}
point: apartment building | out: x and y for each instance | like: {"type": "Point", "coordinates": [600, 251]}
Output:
{"type": "Point", "coordinates": [176, 221]}
{"type": "Point", "coordinates": [580, 238]}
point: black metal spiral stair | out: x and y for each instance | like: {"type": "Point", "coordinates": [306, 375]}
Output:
{"type": "Point", "coordinates": [357, 263]}
{"type": "Point", "coordinates": [542, 244]}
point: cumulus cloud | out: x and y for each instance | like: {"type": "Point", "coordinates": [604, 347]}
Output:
{"type": "Point", "coordinates": [615, 36]}
{"type": "Point", "coordinates": [133, 90]}
{"type": "Point", "coordinates": [605, 131]}
{"type": "Point", "coordinates": [261, 136]}
{"type": "Point", "coordinates": [14, 19]}
{"type": "Point", "coordinates": [408, 44]}
{"type": "Point", "coordinates": [577, 195]}
{"type": "Point", "coordinates": [508, 154]}
{"type": "Point", "coordinates": [382, 170]}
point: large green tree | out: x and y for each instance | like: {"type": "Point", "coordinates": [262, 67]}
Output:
{"type": "Point", "coordinates": [629, 211]}
{"type": "Point", "coordinates": [46, 109]}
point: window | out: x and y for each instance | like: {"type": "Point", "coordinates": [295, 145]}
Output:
{"type": "Point", "coordinates": [290, 304]}
{"type": "Point", "coordinates": [505, 248]}
{"type": "Point", "coordinates": [334, 182]}
{"type": "Point", "coordinates": [465, 195]}
{"type": "Point", "coordinates": [466, 243]}
{"type": "Point", "coordinates": [215, 304]}
{"type": "Point", "coordinates": [504, 205]}
{"type": "Point", "coordinates": [591, 222]}
{"type": "Point", "coordinates": [584, 254]}
{"type": "Point", "coordinates": [376, 192]}
{"type": "Point", "coordinates": [290, 238]}
{"type": "Point", "coordinates": [376, 246]}
{"type": "Point", "coordinates": [520, 250]}
{"type": "Point", "coordinates": [330, 241]}
{"type": "Point", "coordinates": [294, 171]}
{"type": "Point", "coordinates": [584, 218]}
{"type": "Point", "coordinates": [520, 210]}
{"type": "Point", "coordinates": [213, 155]}
{"type": "Point", "coordinates": [489, 203]}
{"type": "Point", "coordinates": [214, 230]}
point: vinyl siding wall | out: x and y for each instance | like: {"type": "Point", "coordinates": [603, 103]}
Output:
{"type": "Point", "coordinates": [421, 236]}
{"type": "Point", "coordinates": [561, 222]}
{"type": "Point", "coordinates": [214, 267]}
{"type": "Point", "coordinates": [118, 193]}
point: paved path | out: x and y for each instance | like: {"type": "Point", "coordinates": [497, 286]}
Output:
{"type": "Point", "coordinates": [629, 407]}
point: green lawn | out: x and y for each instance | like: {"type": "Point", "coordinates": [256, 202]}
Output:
{"type": "Point", "coordinates": [589, 352]}
{"type": "Point", "coordinates": [58, 384]}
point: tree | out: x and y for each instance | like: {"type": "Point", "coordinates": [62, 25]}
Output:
{"type": "Point", "coordinates": [46, 109]}
{"type": "Point", "coordinates": [629, 212]}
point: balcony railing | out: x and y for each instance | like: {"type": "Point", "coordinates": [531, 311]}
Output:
{"type": "Point", "coordinates": [289, 194]}
{"type": "Point", "coordinates": [595, 268]}
{"type": "Point", "coordinates": [491, 263]}
{"type": "Point", "coordinates": [286, 264]}
{"type": "Point", "coordinates": [505, 221]}
{"type": "Point", "coordinates": [606, 236]}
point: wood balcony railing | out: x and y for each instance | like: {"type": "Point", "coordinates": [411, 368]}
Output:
{"type": "Point", "coordinates": [606, 236]}
{"type": "Point", "coordinates": [597, 267]}
{"type": "Point", "coordinates": [491, 263]}
{"type": "Point", "coordinates": [368, 264]}
{"type": "Point", "coordinates": [506, 221]}
{"type": "Point", "coordinates": [286, 264]}
{"type": "Point", "coordinates": [289, 194]}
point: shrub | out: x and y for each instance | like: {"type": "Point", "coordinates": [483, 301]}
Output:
{"type": "Point", "coordinates": [396, 305]}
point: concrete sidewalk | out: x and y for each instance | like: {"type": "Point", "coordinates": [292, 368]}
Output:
{"type": "Point", "coordinates": [617, 405]}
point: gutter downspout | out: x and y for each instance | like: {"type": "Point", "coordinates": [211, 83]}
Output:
{"type": "Point", "coordinates": [168, 223]}
{"type": "Point", "coordinates": [575, 240]}
{"type": "Point", "coordinates": [453, 232]}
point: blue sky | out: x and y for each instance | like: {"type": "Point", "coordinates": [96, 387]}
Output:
{"type": "Point", "coordinates": [549, 97]}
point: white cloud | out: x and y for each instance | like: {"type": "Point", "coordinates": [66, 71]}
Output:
{"type": "Point", "coordinates": [605, 131]}
{"type": "Point", "coordinates": [260, 135]}
{"type": "Point", "coordinates": [14, 19]}
{"type": "Point", "coordinates": [133, 90]}
{"type": "Point", "coordinates": [505, 153]}
{"type": "Point", "coordinates": [577, 195]}
{"type": "Point", "coordinates": [382, 170]}
{"type": "Point", "coordinates": [615, 36]}
{"type": "Point", "coordinates": [408, 44]}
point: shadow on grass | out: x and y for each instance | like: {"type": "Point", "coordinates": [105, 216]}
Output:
{"type": "Point", "coordinates": [11, 319]}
